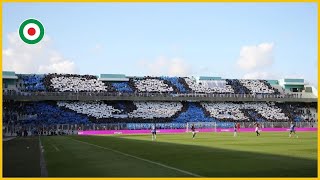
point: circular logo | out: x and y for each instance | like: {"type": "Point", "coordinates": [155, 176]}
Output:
{"type": "Point", "coordinates": [31, 31]}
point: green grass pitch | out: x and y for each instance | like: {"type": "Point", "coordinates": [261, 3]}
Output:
{"type": "Point", "coordinates": [178, 155]}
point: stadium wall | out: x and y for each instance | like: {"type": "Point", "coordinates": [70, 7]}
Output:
{"type": "Point", "coordinates": [174, 131]}
{"type": "Point", "coordinates": [147, 97]}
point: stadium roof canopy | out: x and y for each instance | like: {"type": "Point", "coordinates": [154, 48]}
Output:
{"type": "Point", "coordinates": [291, 81]}
{"type": "Point", "coordinates": [113, 77]}
{"type": "Point", "coordinates": [207, 78]}
{"type": "Point", "coordinates": [9, 75]}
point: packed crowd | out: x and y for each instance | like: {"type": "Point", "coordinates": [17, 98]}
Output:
{"type": "Point", "coordinates": [178, 82]}
{"type": "Point", "coordinates": [167, 85]}
{"type": "Point", "coordinates": [74, 83]}
{"type": "Point", "coordinates": [51, 113]}
{"type": "Point", "coordinates": [98, 110]}
{"type": "Point", "coordinates": [31, 82]}
{"type": "Point", "coordinates": [256, 86]}
{"type": "Point", "coordinates": [152, 110]}
{"type": "Point", "coordinates": [204, 88]}
{"type": "Point", "coordinates": [152, 85]}
{"type": "Point", "coordinates": [300, 111]}
{"type": "Point", "coordinates": [234, 111]}
{"type": "Point", "coordinates": [38, 113]}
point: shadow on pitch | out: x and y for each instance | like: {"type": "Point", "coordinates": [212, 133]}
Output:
{"type": "Point", "coordinates": [209, 161]}
{"type": "Point", "coordinates": [21, 157]}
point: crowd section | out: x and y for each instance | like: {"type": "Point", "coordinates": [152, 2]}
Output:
{"type": "Point", "coordinates": [192, 112]}
{"type": "Point", "coordinates": [224, 111]}
{"type": "Point", "coordinates": [74, 83]}
{"type": "Point", "coordinates": [143, 110]}
{"type": "Point", "coordinates": [164, 85]}
{"type": "Point", "coordinates": [152, 85]}
{"type": "Point", "coordinates": [205, 88]}
{"type": "Point", "coordinates": [31, 82]}
{"type": "Point", "coordinates": [152, 110]}
{"type": "Point", "coordinates": [98, 110]}
{"type": "Point", "coordinates": [256, 86]}
{"type": "Point", "coordinates": [177, 82]}
{"type": "Point", "coordinates": [234, 111]}
{"type": "Point", "coordinates": [122, 87]}
{"type": "Point", "coordinates": [237, 86]}
{"type": "Point", "coordinates": [142, 114]}
{"type": "Point", "coordinates": [39, 113]}
{"type": "Point", "coordinates": [300, 111]}
{"type": "Point", "coordinates": [67, 112]}
{"type": "Point", "coordinates": [266, 83]}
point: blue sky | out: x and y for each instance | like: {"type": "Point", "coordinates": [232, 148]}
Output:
{"type": "Point", "coordinates": [232, 40]}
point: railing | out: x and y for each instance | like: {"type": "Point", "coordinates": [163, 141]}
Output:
{"type": "Point", "coordinates": [268, 124]}
{"type": "Point", "coordinates": [172, 95]}
{"type": "Point", "coordinates": [11, 130]}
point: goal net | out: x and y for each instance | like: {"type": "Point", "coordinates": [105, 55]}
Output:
{"type": "Point", "coordinates": [204, 126]}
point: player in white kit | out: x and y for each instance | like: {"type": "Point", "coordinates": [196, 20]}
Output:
{"type": "Point", "coordinates": [257, 129]}
{"type": "Point", "coordinates": [154, 132]}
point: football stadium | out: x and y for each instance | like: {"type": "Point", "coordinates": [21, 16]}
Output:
{"type": "Point", "coordinates": [114, 125]}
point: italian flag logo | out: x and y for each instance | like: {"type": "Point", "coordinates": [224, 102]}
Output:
{"type": "Point", "coordinates": [31, 31]}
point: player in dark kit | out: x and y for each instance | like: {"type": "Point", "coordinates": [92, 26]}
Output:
{"type": "Point", "coordinates": [193, 129]}
{"type": "Point", "coordinates": [235, 130]}
{"type": "Point", "coordinates": [292, 129]}
{"type": "Point", "coordinates": [257, 128]}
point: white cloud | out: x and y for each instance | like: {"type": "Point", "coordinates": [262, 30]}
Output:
{"type": "Point", "coordinates": [179, 67]}
{"type": "Point", "coordinates": [269, 75]}
{"type": "Point", "coordinates": [254, 57]}
{"type": "Point", "coordinates": [163, 66]}
{"type": "Point", "coordinates": [260, 75]}
{"type": "Point", "coordinates": [60, 66]}
{"type": "Point", "coordinates": [97, 49]}
{"type": "Point", "coordinates": [293, 76]}
{"type": "Point", "coordinates": [38, 58]}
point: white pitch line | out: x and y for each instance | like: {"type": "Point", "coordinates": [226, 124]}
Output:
{"type": "Point", "coordinates": [43, 167]}
{"type": "Point", "coordinates": [57, 149]}
{"type": "Point", "coordinates": [142, 159]}
{"type": "Point", "coordinates": [8, 138]}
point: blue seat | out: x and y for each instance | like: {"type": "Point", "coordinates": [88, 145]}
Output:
{"type": "Point", "coordinates": [193, 114]}
{"type": "Point", "coordinates": [175, 82]}
{"type": "Point", "coordinates": [48, 114]}
{"type": "Point", "coordinates": [122, 87]}
{"type": "Point", "coordinates": [33, 82]}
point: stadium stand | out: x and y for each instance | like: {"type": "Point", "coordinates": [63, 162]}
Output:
{"type": "Point", "coordinates": [176, 81]}
{"type": "Point", "coordinates": [41, 113]}
{"type": "Point", "coordinates": [123, 87]}
{"type": "Point", "coordinates": [74, 83]}
{"type": "Point", "coordinates": [80, 112]}
{"type": "Point", "coordinates": [152, 85]}
{"type": "Point", "coordinates": [237, 86]}
{"type": "Point", "coordinates": [32, 82]}
{"type": "Point", "coordinates": [233, 111]}
{"type": "Point", "coordinates": [144, 110]}
{"type": "Point", "coordinates": [147, 84]}
{"type": "Point", "coordinates": [98, 110]}
{"type": "Point", "coordinates": [255, 86]}
{"type": "Point", "coordinates": [151, 110]}
{"type": "Point", "coordinates": [276, 91]}
{"type": "Point", "coordinates": [224, 111]}
{"type": "Point", "coordinates": [299, 111]}
{"type": "Point", "coordinates": [209, 87]}
{"type": "Point", "coordinates": [139, 107]}
{"type": "Point", "coordinates": [192, 112]}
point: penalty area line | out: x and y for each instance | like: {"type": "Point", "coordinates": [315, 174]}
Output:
{"type": "Point", "coordinates": [55, 147]}
{"type": "Point", "coordinates": [139, 158]}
